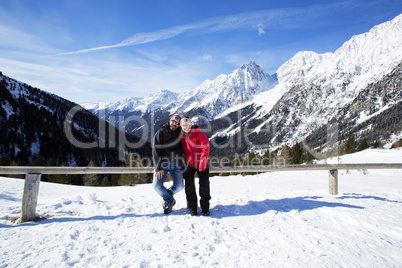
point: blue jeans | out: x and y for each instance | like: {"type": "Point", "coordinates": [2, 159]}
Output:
{"type": "Point", "coordinates": [176, 172]}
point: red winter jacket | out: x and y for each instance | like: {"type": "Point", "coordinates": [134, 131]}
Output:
{"type": "Point", "coordinates": [196, 148]}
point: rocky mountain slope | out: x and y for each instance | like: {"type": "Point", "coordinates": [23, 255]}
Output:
{"type": "Point", "coordinates": [248, 108]}
{"type": "Point", "coordinates": [34, 122]}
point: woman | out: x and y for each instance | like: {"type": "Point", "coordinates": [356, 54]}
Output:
{"type": "Point", "coordinates": [195, 145]}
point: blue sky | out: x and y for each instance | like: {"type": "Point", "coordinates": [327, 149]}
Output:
{"type": "Point", "coordinates": [91, 51]}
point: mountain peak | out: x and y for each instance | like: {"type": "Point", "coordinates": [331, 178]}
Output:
{"type": "Point", "coordinates": [251, 64]}
{"type": "Point", "coordinates": [253, 69]}
{"type": "Point", "coordinates": [165, 91]}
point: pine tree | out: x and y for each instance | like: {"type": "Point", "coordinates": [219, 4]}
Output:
{"type": "Point", "coordinates": [15, 163]}
{"type": "Point", "coordinates": [4, 161]}
{"type": "Point", "coordinates": [397, 144]}
{"type": "Point", "coordinates": [105, 181]}
{"type": "Point", "coordinates": [251, 160]}
{"type": "Point", "coordinates": [266, 158]}
{"type": "Point", "coordinates": [133, 160]}
{"type": "Point", "coordinates": [350, 144]}
{"type": "Point", "coordinates": [309, 157]}
{"type": "Point", "coordinates": [90, 179]}
{"type": "Point", "coordinates": [38, 161]}
{"type": "Point", "coordinates": [285, 153]}
{"type": "Point", "coordinates": [51, 162]}
{"type": "Point", "coordinates": [376, 144]}
{"type": "Point", "coordinates": [362, 146]}
{"type": "Point", "coordinates": [115, 180]}
{"type": "Point", "coordinates": [296, 155]}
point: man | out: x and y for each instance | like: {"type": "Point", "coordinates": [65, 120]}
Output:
{"type": "Point", "coordinates": [167, 156]}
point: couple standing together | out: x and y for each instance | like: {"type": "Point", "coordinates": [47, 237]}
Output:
{"type": "Point", "coordinates": [175, 139]}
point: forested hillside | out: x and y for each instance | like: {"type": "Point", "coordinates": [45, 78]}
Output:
{"type": "Point", "coordinates": [35, 129]}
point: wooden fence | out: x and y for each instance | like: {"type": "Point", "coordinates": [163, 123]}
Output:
{"type": "Point", "coordinates": [33, 175]}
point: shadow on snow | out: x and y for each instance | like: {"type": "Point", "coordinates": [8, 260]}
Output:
{"type": "Point", "coordinates": [361, 196]}
{"type": "Point", "coordinates": [252, 208]}
{"type": "Point", "coordinates": [297, 204]}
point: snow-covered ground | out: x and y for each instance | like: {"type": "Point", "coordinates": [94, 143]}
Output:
{"type": "Point", "coordinates": [278, 219]}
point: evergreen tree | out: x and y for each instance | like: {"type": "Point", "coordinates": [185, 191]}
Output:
{"type": "Point", "coordinates": [105, 181]}
{"type": "Point", "coordinates": [15, 163]}
{"type": "Point", "coordinates": [285, 154]}
{"type": "Point", "coordinates": [4, 161]}
{"type": "Point", "coordinates": [350, 144]}
{"type": "Point", "coordinates": [376, 144]}
{"type": "Point", "coordinates": [133, 160]}
{"type": "Point", "coordinates": [127, 179]}
{"type": "Point", "coordinates": [65, 179]}
{"type": "Point", "coordinates": [57, 178]}
{"type": "Point", "coordinates": [362, 146]}
{"type": "Point", "coordinates": [38, 161]}
{"type": "Point", "coordinates": [23, 155]}
{"type": "Point", "coordinates": [275, 158]}
{"type": "Point", "coordinates": [90, 179]}
{"type": "Point", "coordinates": [51, 162]}
{"type": "Point", "coordinates": [266, 158]}
{"type": "Point", "coordinates": [115, 179]}
{"type": "Point", "coordinates": [397, 144]}
{"type": "Point", "coordinates": [296, 155]}
{"type": "Point", "coordinates": [309, 157]}
{"type": "Point", "coordinates": [251, 160]}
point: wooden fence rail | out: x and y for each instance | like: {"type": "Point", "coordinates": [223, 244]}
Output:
{"type": "Point", "coordinates": [33, 175]}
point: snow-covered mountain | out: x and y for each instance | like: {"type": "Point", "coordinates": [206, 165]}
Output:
{"type": "Point", "coordinates": [212, 98]}
{"type": "Point", "coordinates": [130, 105]}
{"type": "Point", "coordinates": [356, 89]}
{"type": "Point", "coordinates": [299, 100]}
{"type": "Point", "coordinates": [208, 100]}
{"type": "Point", "coordinates": [39, 128]}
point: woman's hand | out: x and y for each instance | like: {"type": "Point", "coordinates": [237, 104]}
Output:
{"type": "Point", "coordinates": [159, 174]}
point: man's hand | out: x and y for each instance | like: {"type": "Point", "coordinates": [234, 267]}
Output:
{"type": "Point", "coordinates": [159, 174]}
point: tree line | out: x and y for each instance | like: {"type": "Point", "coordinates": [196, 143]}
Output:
{"type": "Point", "coordinates": [132, 160]}
{"type": "Point", "coordinates": [298, 154]}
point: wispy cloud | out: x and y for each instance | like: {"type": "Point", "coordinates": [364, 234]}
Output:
{"type": "Point", "coordinates": [261, 29]}
{"type": "Point", "coordinates": [146, 37]}
{"type": "Point", "coordinates": [207, 57]}
{"type": "Point", "coordinates": [259, 21]}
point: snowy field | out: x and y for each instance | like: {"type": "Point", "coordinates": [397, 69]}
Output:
{"type": "Point", "coordinates": [279, 219]}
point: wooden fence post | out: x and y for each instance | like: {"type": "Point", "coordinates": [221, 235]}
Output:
{"type": "Point", "coordinates": [333, 181]}
{"type": "Point", "coordinates": [30, 197]}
